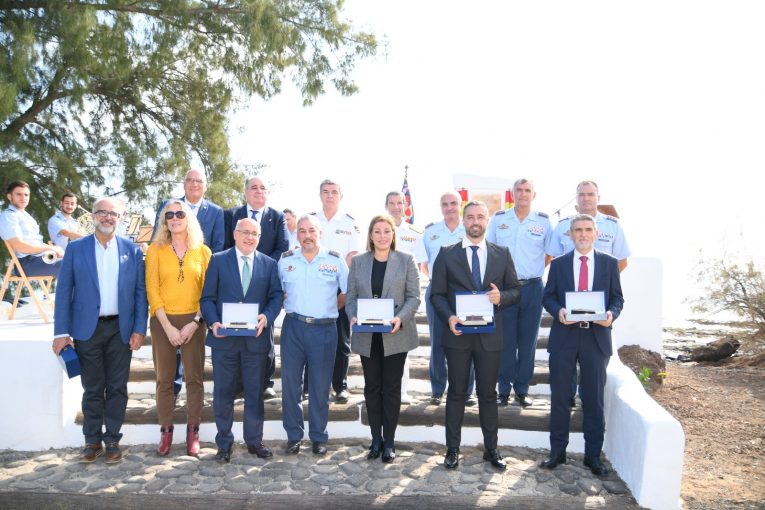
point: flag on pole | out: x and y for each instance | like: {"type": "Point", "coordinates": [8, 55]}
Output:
{"type": "Point", "coordinates": [464, 196]}
{"type": "Point", "coordinates": [509, 202]}
{"type": "Point", "coordinates": [408, 210]}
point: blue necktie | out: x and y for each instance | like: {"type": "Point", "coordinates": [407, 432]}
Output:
{"type": "Point", "coordinates": [476, 268]}
{"type": "Point", "coordinates": [246, 274]}
{"type": "Point", "coordinates": [254, 215]}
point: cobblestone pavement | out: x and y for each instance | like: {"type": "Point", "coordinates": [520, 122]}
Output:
{"type": "Point", "coordinates": [344, 471]}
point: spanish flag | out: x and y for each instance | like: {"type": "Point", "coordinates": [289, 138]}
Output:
{"type": "Point", "coordinates": [509, 203]}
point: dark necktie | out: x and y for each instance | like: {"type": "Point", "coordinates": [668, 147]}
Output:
{"type": "Point", "coordinates": [476, 271]}
{"type": "Point", "coordinates": [254, 215]}
{"type": "Point", "coordinates": [583, 275]}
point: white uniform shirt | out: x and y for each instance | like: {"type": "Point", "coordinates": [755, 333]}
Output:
{"type": "Point", "coordinates": [407, 237]}
{"type": "Point", "coordinates": [340, 234]}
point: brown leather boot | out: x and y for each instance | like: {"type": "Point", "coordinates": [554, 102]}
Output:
{"type": "Point", "coordinates": [192, 439]}
{"type": "Point", "coordinates": [165, 441]}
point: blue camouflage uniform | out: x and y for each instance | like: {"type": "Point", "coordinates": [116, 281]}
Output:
{"type": "Point", "coordinates": [528, 241]}
{"type": "Point", "coordinates": [309, 337]}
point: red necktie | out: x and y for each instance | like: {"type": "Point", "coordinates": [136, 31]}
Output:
{"type": "Point", "coordinates": [583, 275]}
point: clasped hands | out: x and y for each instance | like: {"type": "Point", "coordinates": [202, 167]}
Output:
{"type": "Point", "coordinates": [606, 323]}
{"type": "Point", "coordinates": [395, 322]}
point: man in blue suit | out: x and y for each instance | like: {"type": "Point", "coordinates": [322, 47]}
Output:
{"type": "Point", "coordinates": [274, 240]}
{"type": "Point", "coordinates": [101, 310]}
{"type": "Point", "coordinates": [582, 269]}
{"type": "Point", "coordinates": [241, 275]}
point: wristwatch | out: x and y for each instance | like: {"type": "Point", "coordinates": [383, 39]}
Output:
{"type": "Point", "coordinates": [199, 320]}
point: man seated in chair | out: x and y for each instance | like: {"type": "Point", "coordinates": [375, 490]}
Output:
{"type": "Point", "coordinates": [22, 233]}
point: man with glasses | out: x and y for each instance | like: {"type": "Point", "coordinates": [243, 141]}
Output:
{"type": "Point", "coordinates": [102, 311]}
{"type": "Point", "coordinates": [22, 233]}
{"type": "Point", "coordinates": [241, 275]}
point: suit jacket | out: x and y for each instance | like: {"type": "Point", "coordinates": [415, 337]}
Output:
{"type": "Point", "coordinates": [274, 237]}
{"type": "Point", "coordinates": [210, 217]}
{"type": "Point", "coordinates": [561, 280]}
{"type": "Point", "coordinates": [451, 274]}
{"type": "Point", "coordinates": [78, 298]}
{"type": "Point", "coordinates": [223, 284]}
{"type": "Point", "coordinates": [402, 284]}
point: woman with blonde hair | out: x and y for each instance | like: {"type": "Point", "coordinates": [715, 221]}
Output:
{"type": "Point", "coordinates": [176, 263]}
{"type": "Point", "coordinates": [383, 272]}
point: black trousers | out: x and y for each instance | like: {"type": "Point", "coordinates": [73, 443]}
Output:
{"type": "Point", "coordinates": [382, 390]}
{"type": "Point", "coordinates": [486, 373]}
{"type": "Point", "coordinates": [343, 353]}
{"type": "Point", "coordinates": [105, 364]}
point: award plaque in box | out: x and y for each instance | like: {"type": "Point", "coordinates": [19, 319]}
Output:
{"type": "Point", "coordinates": [586, 306]}
{"type": "Point", "coordinates": [239, 319]}
{"type": "Point", "coordinates": [475, 312]}
{"type": "Point", "coordinates": [374, 316]}
{"type": "Point", "coordinates": [69, 361]}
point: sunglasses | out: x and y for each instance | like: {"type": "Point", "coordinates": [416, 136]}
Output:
{"type": "Point", "coordinates": [178, 214]}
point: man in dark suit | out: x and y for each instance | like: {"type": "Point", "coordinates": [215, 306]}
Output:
{"type": "Point", "coordinates": [274, 240]}
{"type": "Point", "coordinates": [241, 275]}
{"type": "Point", "coordinates": [101, 310]}
{"type": "Point", "coordinates": [589, 343]}
{"type": "Point", "coordinates": [474, 265]}
{"type": "Point", "coordinates": [210, 216]}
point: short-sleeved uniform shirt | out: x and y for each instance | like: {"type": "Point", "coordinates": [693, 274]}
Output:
{"type": "Point", "coordinates": [56, 224]}
{"type": "Point", "coordinates": [610, 239]}
{"type": "Point", "coordinates": [340, 234]}
{"type": "Point", "coordinates": [311, 287]}
{"type": "Point", "coordinates": [433, 238]}
{"type": "Point", "coordinates": [527, 240]}
{"type": "Point", "coordinates": [15, 223]}
{"type": "Point", "coordinates": [407, 236]}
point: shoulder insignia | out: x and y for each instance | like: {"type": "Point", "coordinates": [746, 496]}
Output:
{"type": "Point", "coordinates": [429, 225]}
{"type": "Point", "coordinates": [312, 213]}
{"type": "Point", "coordinates": [351, 217]}
{"type": "Point", "coordinates": [334, 253]}
{"type": "Point", "coordinates": [568, 218]}
{"type": "Point", "coordinates": [499, 212]}
{"type": "Point", "coordinates": [416, 229]}
{"type": "Point", "coordinates": [356, 229]}
{"type": "Point", "coordinates": [611, 218]}
{"type": "Point", "coordinates": [543, 215]}
{"type": "Point", "coordinates": [288, 253]}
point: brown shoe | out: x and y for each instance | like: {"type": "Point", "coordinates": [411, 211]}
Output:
{"type": "Point", "coordinates": [113, 453]}
{"type": "Point", "coordinates": [91, 452]}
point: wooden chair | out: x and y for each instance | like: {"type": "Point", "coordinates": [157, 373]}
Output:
{"type": "Point", "coordinates": [26, 281]}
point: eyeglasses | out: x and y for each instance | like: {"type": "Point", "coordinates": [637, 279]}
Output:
{"type": "Point", "coordinates": [103, 214]}
{"type": "Point", "coordinates": [247, 233]}
{"type": "Point", "coordinates": [178, 214]}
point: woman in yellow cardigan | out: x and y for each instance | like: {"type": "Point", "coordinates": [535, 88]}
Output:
{"type": "Point", "coordinates": [176, 263]}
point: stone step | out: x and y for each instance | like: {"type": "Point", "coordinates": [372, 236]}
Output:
{"type": "Point", "coordinates": [142, 370]}
{"type": "Point", "coordinates": [141, 410]}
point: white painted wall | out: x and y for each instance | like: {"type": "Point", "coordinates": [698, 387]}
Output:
{"type": "Point", "coordinates": [640, 321]}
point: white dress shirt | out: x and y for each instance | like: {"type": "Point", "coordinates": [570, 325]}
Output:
{"type": "Point", "coordinates": [108, 268]}
{"type": "Point", "coordinates": [482, 254]}
{"type": "Point", "coordinates": [590, 267]}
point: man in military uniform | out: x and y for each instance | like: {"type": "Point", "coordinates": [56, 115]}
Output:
{"type": "Point", "coordinates": [342, 235]}
{"type": "Point", "coordinates": [407, 236]}
{"type": "Point", "coordinates": [62, 227]}
{"type": "Point", "coordinates": [526, 233]}
{"type": "Point", "coordinates": [314, 280]}
{"type": "Point", "coordinates": [444, 233]}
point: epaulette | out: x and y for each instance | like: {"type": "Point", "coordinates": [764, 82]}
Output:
{"type": "Point", "coordinates": [543, 215]}
{"type": "Point", "coordinates": [416, 229]}
{"type": "Point", "coordinates": [351, 217]}
{"type": "Point", "coordinates": [569, 218]}
{"type": "Point", "coordinates": [288, 253]}
{"type": "Point", "coordinates": [312, 213]}
{"type": "Point", "coordinates": [499, 212]}
{"type": "Point", "coordinates": [612, 218]}
{"type": "Point", "coordinates": [429, 225]}
{"type": "Point", "coordinates": [334, 253]}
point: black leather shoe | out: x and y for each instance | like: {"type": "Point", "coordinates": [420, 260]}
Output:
{"type": "Point", "coordinates": [341, 397]}
{"type": "Point", "coordinates": [596, 466]}
{"type": "Point", "coordinates": [471, 401]}
{"type": "Point", "coordinates": [495, 458]}
{"type": "Point", "coordinates": [223, 456]}
{"type": "Point", "coordinates": [375, 449]}
{"type": "Point", "coordinates": [452, 459]}
{"type": "Point", "coordinates": [503, 400]}
{"type": "Point", "coordinates": [260, 450]}
{"type": "Point", "coordinates": [553, 460]}
{"type": "Point", "coordinates": [524, 400]}
{"type": "Point", "coordinates": [388, 455]}
{"type": "Point", "coordinates": [436, 399]}
{"type": "Point", "coordinates": [293, 447]}
{"type": "Point", "coordinates": [319, 448]}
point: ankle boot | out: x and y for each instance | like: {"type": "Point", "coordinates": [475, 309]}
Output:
{"type": "Point", "coordinates": [165, 441]}
{"type": "Point", "coordinates": [192, 440]}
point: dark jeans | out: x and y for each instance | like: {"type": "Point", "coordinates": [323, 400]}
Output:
{"type": "Point", "coordinates": [105, 364]}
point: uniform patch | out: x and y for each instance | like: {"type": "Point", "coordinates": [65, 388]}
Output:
{"type": "Point", "coordinates": [503, 226]}
{"type": "Point", "coordinates": [434, 237]}
{"type": "Point", "coordinates": [329, 269]}
{"type": "Point", "coordinates": [416, 229]}
{"type": "Point", "coordinates": [346, 232]}
{"type": "Point", "coordinates": [429, 225]}
{"type": "Point", "coordinates": [290, 268]}
{"type": "Point", "coordinates": [537, 230]}
{"type": "Point", "coordinates": [543, 215]}
{"type": "Point", "coordinates": [408, 239]}
{"type": "Point", "coordinates": [287, 253]}
{"type": "Point", "coordinates": [611, 218]}
{"type": "Point", "coordinates": [499, 212]}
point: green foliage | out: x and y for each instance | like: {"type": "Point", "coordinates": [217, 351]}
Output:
{"type": "Point", "coordinates": [644, 375]}
{"type": "Point", "coordinates": [117, 96]}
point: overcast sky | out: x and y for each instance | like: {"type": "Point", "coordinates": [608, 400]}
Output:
{"type": "Point", "coordinates": [662, 103]}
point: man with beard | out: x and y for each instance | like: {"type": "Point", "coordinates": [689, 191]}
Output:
{"type": "Point", "coordinates": [473, 266]}
{"type": "Point", "coordinates": [101, 310]}
{"type": "Point", "coordinates": [61, 226]}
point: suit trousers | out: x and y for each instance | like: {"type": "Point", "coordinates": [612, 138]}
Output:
{"type": "Point", "coordinates": [579, 346]}
{"type": "Point", "coordinates": [309, 347]}
{"type": "Point", "coordinates": [105, 364]}
{"type": "Point", "coordinates": [343, 353]}
{"type": "Point", "coordinates": [193, 358]}
{"type": "Point", "coordinates": [520, 328]}
{"type": "Point", "coordinates": [437, 367]}
{"type": "Point", "coordinates": [382, 390]}
{"type": "Point", "coordinates": [234, 369]}
{"type": "Point", "coordinates": [486, 371]}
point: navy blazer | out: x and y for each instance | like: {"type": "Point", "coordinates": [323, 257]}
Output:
{"type": "Point", "coordinates": [223, 284]}
{"type": "Point", "coordinates": [210, 217]}
{"type": "Point", "coordinates": [560, 280]}
{"type": "Point", "coordinates": [451, 274]}
{"type": "Point", "coordinates": [78, 298]}
{"type": "Point", "coordinates": [274, 237]}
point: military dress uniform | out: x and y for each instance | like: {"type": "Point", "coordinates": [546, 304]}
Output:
{"type": "Point", "coordinates": [435, 236]}
{"type": "Point", "coordinates": [309, 337]}
{"type": "Point", "coordinates": [610, 239]}
{"type": "Point", "coordinates": [342, 235]}
{"type": "Point", "coordinates": [528, 241]}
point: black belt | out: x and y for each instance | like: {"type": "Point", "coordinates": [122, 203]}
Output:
{"type": "Point", "coordinates": [530, 280]}
{"type": "Point", "coordinates": [107, 318]}
{"type": "Point", "coordinates": [310, 320]}
{"type": "Point", "coordinates": [584, 325]}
